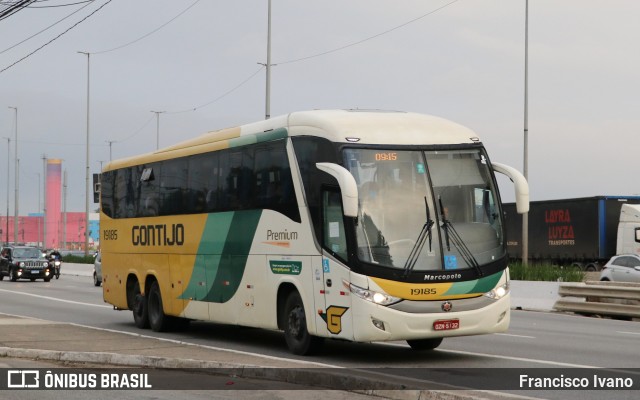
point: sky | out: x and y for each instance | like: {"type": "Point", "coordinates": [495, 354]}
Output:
{"type": "Point", "coordinates": [199, 63]}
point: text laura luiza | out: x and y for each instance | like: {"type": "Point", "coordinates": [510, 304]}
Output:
{"type": "Point", "coordinates": [565, 382]}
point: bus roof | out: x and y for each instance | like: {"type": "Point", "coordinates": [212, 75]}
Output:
{"type": "Point", "coordinates": [341, 126]}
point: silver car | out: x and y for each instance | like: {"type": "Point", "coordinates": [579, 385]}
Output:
{"type": "Point", "coordinates": [622, 268]}
{"type": "Point", "coordinates": [97, 270]}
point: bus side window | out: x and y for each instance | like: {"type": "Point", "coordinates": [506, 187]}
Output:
{"type": "Point", "coordinates": [333, 224]}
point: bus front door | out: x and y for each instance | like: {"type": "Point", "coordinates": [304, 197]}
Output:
{"type": "Point", "coordinates": [335, 313]}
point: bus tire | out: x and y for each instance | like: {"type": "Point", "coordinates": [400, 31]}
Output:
{"type": "Point", "coordinates": [298, 339]}
{"type": "Point", "coordinates": [424, 344]}
{"type": "Point", "coordinates": [139, 307]}
{"type": "Point", "coordinates": [158, 321]}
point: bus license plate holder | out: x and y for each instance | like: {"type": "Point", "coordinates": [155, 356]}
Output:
{"type": "Point", "coordinates": [446, 324]}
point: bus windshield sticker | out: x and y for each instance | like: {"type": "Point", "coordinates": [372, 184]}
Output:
{"type": "Point", "coordinates": [334, 229]}
{"type": "Point", "coordinates": [325, 266]}
{"type": "Point", "coordinates": [450, 262]}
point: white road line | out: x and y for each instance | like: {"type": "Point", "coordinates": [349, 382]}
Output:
{"type": "Point", "coordinates": [226, 350]}
{"type": "Point", "coordinates": [517, 336]}
{"type": "Point", "coordinates": [628, 333]}
{"type": "Point", "coordinates": [56, 299]}
{"type": "Point", "coordinates": [529, 360]}
{"type": "Point", "coordinates": [523, 359]}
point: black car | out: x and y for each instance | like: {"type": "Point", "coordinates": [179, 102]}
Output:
{"type": "Point", "coordinates": [24, 262]}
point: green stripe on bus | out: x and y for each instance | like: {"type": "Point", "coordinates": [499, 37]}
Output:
{"type": "Point", "coordinates": [258, 137]}
{"type": "Point", "coordinates": [222, 256]}
{"type": "Point", "coordinates": [481, 285]}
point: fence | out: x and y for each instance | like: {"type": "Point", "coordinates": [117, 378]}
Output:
{"type": "Point", "coordinates": [620, 299]}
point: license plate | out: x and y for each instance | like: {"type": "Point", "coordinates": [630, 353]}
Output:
{"type": "Point", "coordinates": [35, 272]}
{"type": "Point", "coordinates": [446, 324]}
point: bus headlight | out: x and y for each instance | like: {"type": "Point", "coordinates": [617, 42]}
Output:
{"type": "Point", "coordinates": [372, 296]}
{"type": "Point", "coordinates": [498, 292]}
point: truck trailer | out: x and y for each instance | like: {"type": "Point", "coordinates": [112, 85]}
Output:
{"type": "Point", "coordinates": [581, 232]}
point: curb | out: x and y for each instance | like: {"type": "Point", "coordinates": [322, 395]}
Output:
{"type": "Point", "coordinates": [314, 377]}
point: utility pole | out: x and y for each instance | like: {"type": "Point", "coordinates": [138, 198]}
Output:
{"type": "Point", "coordinates": [17, 184]}
{"type": "Point", "coordinates": [64, 210]}
{"type": "Point", "coordinates": [8, 179]}
{"type": "Point", "coordinates": [267, 106]}
{"type": "Point", "coordinates": [86, 213]}
{"type": "Point", "coordinates": [110, 143]}
{"type": "Point", "coordinates": [44, 206]}
{"type": "Point", "coordinates": [525, 170]}
{"type": "Point", "coordinates": [158, 127]}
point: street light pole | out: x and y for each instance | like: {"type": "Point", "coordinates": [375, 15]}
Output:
{"type": "Point", "coordinates": [17, 183]}
{"type": "Point", "coordinates": [37, 173]}
{"type": "Point", "coordinates": [110, 143]}
{"type": "Point", "coordinates": [268, 66]}
{"type": "Point", "coordinates": [8, 179]}
{"type": "Point", "coordinates": [157, 127]}
{"type": "Point", "coordinates": [525, 169]}
{"type": "Point", "coordinates": [86, 231]}
{"type": "Point", "coordinates": [44, 203]}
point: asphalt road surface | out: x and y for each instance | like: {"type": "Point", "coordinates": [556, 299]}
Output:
{"type": "Point", "coordinates": [534, 340]}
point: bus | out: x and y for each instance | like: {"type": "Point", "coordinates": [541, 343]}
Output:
{"type": "Point", "coordinates": [345, 224]}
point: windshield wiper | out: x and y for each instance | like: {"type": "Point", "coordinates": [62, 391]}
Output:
{"type": "Point", "coordinates": [451, 235]}
{"type": "Point", "coordinates": [425, 234]}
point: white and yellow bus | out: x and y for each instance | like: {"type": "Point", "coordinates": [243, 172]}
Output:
{"type": "Point", "coordinates": [355, 225]}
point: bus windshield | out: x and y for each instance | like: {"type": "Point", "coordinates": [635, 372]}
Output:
{"type": "Point", "coordinates": [426, 210]}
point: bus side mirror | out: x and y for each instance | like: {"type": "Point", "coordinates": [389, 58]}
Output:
{"type": "Point", "coordinates": [520, 183]}
{"type": "Point", "coordinates": [348, 187]}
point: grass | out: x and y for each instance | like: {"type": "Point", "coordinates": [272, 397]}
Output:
{"type": "Point", "coordinates": [78, 259]}
{"type": "Point", "coordinates": [545, 272]}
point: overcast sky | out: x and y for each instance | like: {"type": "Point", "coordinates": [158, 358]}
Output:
{"type": "Point", "coordinates": [463, 61]}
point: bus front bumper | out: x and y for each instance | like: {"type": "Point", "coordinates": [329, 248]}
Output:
{"type": "Point", "coordinates": [373, 322]}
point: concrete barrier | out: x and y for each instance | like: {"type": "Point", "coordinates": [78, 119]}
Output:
{"type": "Point", "coordinates": [620, 299]}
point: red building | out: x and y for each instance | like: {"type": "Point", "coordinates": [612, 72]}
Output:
{"type": "Point", "coordinates": [31, 231]}
{"type": "Point", "coordinates": [63, 230]}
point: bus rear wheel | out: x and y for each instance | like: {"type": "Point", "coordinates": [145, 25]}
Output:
{"type": "Point", "coordinates": [139, 307]}
{"type": "Point", "coordinates": [158, 321]}
{"type": "Point", "coordinates": [424, 344]}
{"type": "Point", "coordinates": [298, 339]}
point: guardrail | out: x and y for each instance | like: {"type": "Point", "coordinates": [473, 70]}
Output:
{"type": "Point", "coordinates": [620, 299]}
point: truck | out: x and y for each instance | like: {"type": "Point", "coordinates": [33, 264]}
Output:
{"type": "Point", "coordinates": [582, 232]}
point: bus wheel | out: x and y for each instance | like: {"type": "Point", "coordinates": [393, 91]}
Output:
{"type": "Point", "coordinates": [158, 321]}
{"type": "Point", "coordinates": [139, 307]}
{"type": "Point", "coordinates": [424, 344]}
{"type": "Point", "coordinates": [298, 339]}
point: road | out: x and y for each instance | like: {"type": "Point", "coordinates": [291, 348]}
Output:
{"type": "Point", "coordinates": [534, 340]}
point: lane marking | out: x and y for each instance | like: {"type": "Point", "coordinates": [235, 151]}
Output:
{"type": "Point", "coordinates": [517, 336]}
{"type": "Point", "coordinates": [56, 299]}
{"type": "Point", "coordinates": [501, 357]}
{"type": "Point", "coordinates": [628, 333]}
{"type": "Point", "coordinates": [204, 346]}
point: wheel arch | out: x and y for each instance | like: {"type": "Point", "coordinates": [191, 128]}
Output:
{"type": "Point", "coordinates": [284, 290]}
